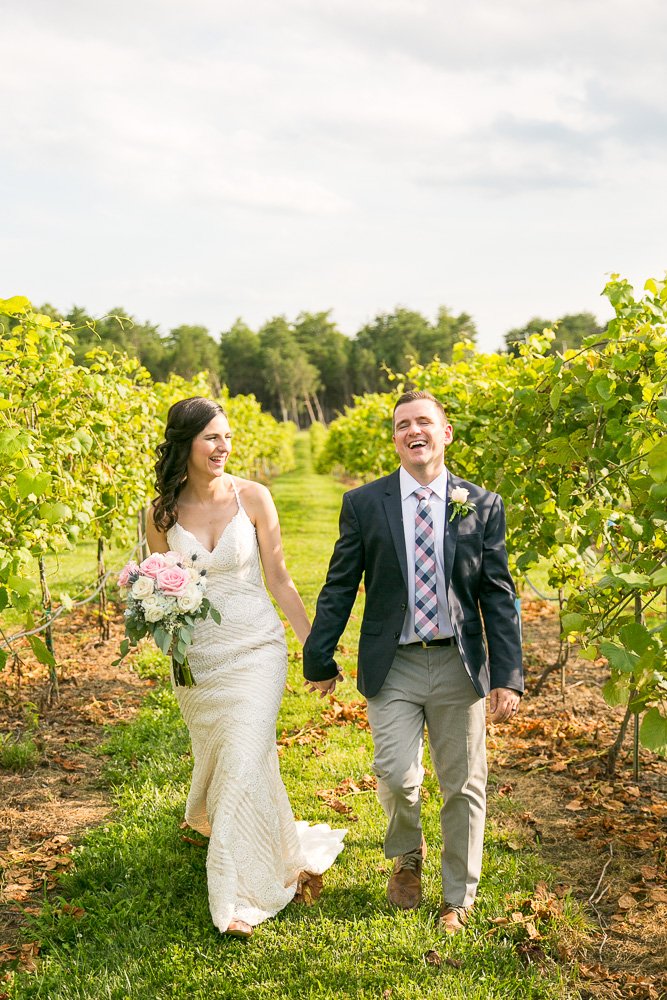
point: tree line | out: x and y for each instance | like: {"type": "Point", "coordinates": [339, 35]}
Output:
{"type": "Point", "coordinates": [304, 369]}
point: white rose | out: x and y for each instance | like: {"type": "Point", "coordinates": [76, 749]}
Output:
{"type": "Point", "coordinates": [143, 587]}
{"type": "Point", "coordinates": [460, 494]}
{"type": "Point", "coordinates": [173, 559]}
{"type": "Point", "coordinates": [194, 574]}
{"type": "Point", "coordinates": [153, 610]}
{"type": "Point", "coordinates": [190, 599]}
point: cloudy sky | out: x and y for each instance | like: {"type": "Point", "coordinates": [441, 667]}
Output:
{"type": "Point", "coordinates": [195, 162]}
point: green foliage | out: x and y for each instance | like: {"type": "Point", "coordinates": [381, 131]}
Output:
{"type": "Point", "coordinates": [317, 435]}
{"type": "Point", "coordinates": [575, 444]}
{"type": "Point", "coordinates": [77, 445]}
{"type": "Point", "coordinates": [240, 359]}
{"type": "Point", "coordinates": [360, 441]}
{"type": "Point", "coordinates": [18, 753]}
{"type": "Point", "coordinates": [394, 340]}
{"type": "Point", "coordinates": [570, 332]}
{"type": "Point", "coordinates": [191, 349]}
{"type": "Point", "coordinates": [328, 350]}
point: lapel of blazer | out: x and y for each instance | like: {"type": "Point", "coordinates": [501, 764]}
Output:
{"type": "Point", "coordinates": [394, 512]}
{"type": "Point", "coordinates": [451, 528]}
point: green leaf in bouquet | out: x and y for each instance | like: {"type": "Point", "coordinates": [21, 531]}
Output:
{"type": "Point", "coordinates": [125, 647]}
{"type": "Point", "coordinates": [215, 615]}
{"type": "Point", "coordinates": [135, 629]}
{"type": "Point", "coordinates": [178, 654]}
{"type": "Point", "coordinates": [162, 638]}
{"type": "Point", "coordinates": [185, 635]}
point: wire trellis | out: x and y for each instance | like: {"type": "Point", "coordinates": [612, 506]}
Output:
{"type": "Point", "coordinates": [8, 641]}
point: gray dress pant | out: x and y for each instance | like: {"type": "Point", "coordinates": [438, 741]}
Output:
{"type": "Point", "coordinates": [431, 687]}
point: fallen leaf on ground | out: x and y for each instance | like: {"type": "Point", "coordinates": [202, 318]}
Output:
{"type": "Point", "coordinates": [67, 765]}
{"type": "Point", "coordinates": [308, 889]}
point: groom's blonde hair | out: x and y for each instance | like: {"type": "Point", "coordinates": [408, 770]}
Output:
{"type": "Point", "coordinates": [411, 396]}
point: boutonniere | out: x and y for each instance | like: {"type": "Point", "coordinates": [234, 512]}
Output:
{"type": "Point", "coordinates": [459, 502]}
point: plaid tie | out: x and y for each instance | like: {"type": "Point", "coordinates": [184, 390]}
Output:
{"type": "Point", "coordinates": [426, 601]}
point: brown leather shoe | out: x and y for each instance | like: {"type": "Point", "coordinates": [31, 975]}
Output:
{"type": "Point", "coordinates": [404, 888]}
{"type": "Point", "coordinates": [452, 919]}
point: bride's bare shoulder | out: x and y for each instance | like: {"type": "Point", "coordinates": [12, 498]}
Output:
{"type": "Point", "coordinates": [254, 496]}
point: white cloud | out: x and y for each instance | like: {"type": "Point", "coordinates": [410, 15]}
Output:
{"type": "Point", "coordinates": [331, 153]}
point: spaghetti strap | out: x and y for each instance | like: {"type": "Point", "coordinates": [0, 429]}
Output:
{"type": "Point", "coordinates": [236, 494]}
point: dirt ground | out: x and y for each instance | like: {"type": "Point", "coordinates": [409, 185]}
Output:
{"type": "Point", "coordinates": [46, 807]}
{"type": "Point", "coordinates": [605, 837]}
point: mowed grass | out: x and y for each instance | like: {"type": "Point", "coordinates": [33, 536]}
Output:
{"type": "Point", "coordinates": [146, 932]}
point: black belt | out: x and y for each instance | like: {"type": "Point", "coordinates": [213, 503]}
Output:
{"type": "Point", "coordinates": [449, 641]}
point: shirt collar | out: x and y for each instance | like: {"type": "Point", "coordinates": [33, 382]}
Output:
{"type": "Point", "coordinates": [409, 484]}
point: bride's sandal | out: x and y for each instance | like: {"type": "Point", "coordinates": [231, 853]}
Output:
{"type": "Point", "coordinates": [238, 928]}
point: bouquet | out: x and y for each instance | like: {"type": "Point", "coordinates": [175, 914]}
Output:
{"type": "Point", "coordinates": [165, 598]}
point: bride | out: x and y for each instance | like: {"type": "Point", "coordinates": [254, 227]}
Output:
{"type": "Point", "coordinates": [225, 525]}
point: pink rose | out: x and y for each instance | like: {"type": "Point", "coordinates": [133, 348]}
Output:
{"type": "Point", "coordinates": [130, 569]}
{"type": "Point", "coordinates": [173, 580]}
{"type": "Point", "coordinates": [152, 566]}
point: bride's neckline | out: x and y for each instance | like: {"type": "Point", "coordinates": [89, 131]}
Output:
{"type": "Point", "coordinates": [222, 535]}
{"type": "Point", "coordinates": [239, 510]}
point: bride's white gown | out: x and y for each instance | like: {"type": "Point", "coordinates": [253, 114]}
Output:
{"type": "Point", "coordinates": [237, 798]}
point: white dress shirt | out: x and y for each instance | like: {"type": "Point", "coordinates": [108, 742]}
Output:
{"type": "Point", "coordinates": [438, 504]}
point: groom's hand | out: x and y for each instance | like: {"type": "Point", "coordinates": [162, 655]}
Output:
{"type": "Point", "coordinates": [323, 687]}
{"type": "Point", "coordinates": [503, 704]}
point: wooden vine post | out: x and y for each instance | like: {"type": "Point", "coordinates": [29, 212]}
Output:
{"type": "Point", "coordinates": [103, 612]}
{"type": "Point", "coordinates": [53, 690]}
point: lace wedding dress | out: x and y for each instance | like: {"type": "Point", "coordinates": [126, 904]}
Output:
{"type": "Point", "coordinates": [256, 849]}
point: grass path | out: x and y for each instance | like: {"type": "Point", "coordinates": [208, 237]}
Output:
{"type": "Point", "coordinates": [145, 932]}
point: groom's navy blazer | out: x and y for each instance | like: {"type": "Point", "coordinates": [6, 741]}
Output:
{"type": "Point", "coordinates": [479, 588]}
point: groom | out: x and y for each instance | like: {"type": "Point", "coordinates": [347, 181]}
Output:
{"type": "Point", "coordinates": [431, 550]}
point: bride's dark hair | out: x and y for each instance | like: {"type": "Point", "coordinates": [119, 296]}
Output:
{"type": "Point", "coordinates": [185, 420]}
